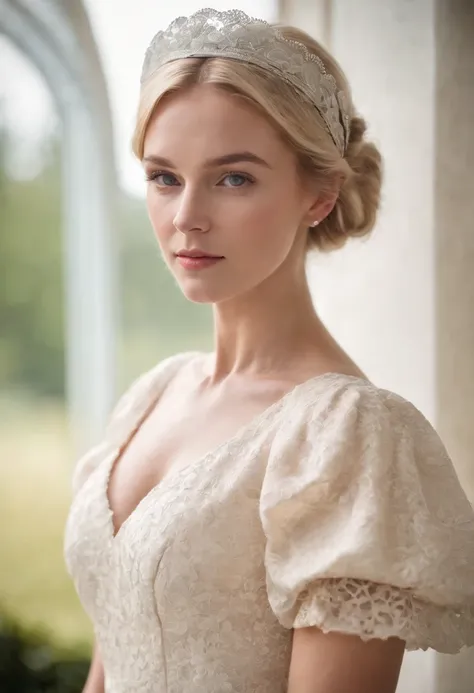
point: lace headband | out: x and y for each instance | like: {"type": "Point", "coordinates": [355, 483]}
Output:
{"type": "Point", "coordinates": [233, 34]}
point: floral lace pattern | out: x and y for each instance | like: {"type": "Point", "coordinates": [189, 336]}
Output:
{"type": "Point", "coordinates": [366, 609]}
{"type": "Point", "coordinates": [338, 507]}
{"type": "Point", "coordinates": [233, 34]}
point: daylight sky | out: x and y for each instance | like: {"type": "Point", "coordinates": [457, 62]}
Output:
{"type": "Point", "coordinates": [123, 29]}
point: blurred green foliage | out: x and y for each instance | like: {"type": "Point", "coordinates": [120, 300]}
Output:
{"type": "Point", "coordinates": [31, 298]}
{"type": "Point", "coordinates": [29, 663]}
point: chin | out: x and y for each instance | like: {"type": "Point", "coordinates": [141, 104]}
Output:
{"type": "Point", "coordinates": [197, 294]}
{"type": "Point", "coordinates": [197, 297]}
{"type": "Point", "coordinates": [207, 294]}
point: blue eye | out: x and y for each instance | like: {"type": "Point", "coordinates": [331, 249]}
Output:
{"type": "Point", "coordinates": [237, 180]}
{"type": "Point", "coordinates": [164, 180]}
{"type": "Point", "coordinates": [231, 180]}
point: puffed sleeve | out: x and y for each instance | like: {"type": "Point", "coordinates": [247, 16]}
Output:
{"type": "Point", "coordinates": [130, 409]}
{"type": "Point", "coordinates": [119, 426]}
{"type": "Point", "coordinates": [368, 530]}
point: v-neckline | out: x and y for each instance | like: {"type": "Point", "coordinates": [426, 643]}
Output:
{"type": "Point", "coordinates": [247, 429]}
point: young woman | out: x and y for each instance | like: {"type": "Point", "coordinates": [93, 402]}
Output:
{"type": "Point", "coordinates": [262, 519]}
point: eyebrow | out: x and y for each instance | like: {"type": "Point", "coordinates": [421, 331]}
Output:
{"type": "Point", "coordinates": [235, 158]}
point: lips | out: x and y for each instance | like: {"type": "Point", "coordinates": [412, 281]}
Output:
{"type": "Point", "coordinates": [197, 260]}
{"type": "Point", "coordinates": [198, 254]}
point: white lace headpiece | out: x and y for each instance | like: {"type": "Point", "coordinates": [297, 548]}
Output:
{"type": "Point", "coordinates": [233, 34]}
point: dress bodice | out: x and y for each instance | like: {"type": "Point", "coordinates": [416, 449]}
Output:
{"type": "Point", "coordinates": [337, 507]}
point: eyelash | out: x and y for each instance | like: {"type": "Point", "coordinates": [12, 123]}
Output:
{"type": "Point", "coordinates": [152, 178]}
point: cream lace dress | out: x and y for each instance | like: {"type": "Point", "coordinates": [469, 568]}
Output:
{"type": "Point", "coordinates": [337, 507]}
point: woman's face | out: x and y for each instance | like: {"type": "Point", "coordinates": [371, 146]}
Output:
{"type": "Point", "coordinates": [222, 183]}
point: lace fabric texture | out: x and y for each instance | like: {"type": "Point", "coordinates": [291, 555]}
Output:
{"type": "Point", "coordinates": [365, 608]}
{"type": "Point", "coordinates": [338, 507]}
{"type": "Point", "coordinates": [235, 35]}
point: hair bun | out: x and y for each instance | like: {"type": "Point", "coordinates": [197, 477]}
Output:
{"type": "Point", "coordinates": [355, 211]}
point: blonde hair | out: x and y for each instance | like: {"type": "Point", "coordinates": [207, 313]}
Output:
{"type": "Point", "coordinates": [300, 125]}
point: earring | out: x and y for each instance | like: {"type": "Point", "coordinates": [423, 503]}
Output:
{"type": "Point", "coordinates": [315, 223]}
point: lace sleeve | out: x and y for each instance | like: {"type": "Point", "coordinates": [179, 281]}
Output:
{"type": "Point", "coordinates": [368, 530]}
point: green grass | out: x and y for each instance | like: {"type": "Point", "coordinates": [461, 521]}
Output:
{"type": "Point", "coordinates": [35, 472]}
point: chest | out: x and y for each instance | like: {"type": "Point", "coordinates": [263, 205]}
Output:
{"type": "Point", "coordinates": [200, 526]}
{"type": "Point", "coordinates": [177, 433]}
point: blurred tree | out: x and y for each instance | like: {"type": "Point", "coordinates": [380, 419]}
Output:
{"type": "Point", "coordinates": [31, 299]}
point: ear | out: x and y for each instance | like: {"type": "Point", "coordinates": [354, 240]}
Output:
{"type": "Point", "coordinates": [322, 207]}
{"type": "Point", "coordinates": [324, 203]}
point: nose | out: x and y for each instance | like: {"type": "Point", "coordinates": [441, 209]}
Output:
{"type": "Point", "coordinates": [192, 213]}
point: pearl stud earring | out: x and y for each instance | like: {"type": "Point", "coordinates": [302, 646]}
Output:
{"type": "Point", "coordinates": [315, 223]}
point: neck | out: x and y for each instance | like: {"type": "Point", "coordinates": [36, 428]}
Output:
{"type": "Point", "coordinates": [269, 330]}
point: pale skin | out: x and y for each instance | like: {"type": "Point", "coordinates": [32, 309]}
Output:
{"type": "Point", "coordinates": [253, 212]}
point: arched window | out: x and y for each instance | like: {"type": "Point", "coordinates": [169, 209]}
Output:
{"type": "Point", "coordinates": [56, 37]}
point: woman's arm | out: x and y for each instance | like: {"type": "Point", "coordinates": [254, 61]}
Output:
{"type": "Point", "coordinates": [338, 663]}
{"type": "Point", "coordinates": [95, 680]}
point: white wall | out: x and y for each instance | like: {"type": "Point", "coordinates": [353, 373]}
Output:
{"type": "Point", "coordinates": [378, 295]}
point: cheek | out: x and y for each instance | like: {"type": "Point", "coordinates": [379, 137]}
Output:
{"type": "Point", "coordinates": [153, 209]}
{"type": "Point", "coordinates": [162, 228]}
{"type": "Point", "coordinates": [268, 228]}
{"type": "Point", "coordinates": [264, 250]}
{"type": "Point", "coordinates": [275, 205]}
